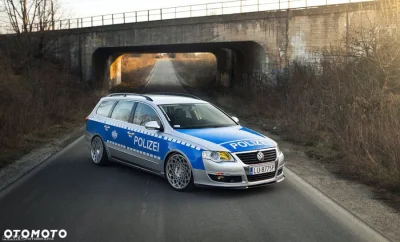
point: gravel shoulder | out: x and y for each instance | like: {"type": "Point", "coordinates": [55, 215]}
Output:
{"type": "Point", "coordinates": [28, 162]}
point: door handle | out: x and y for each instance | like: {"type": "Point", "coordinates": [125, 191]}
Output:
{"type": "Point", "coordinates": [130, 134]}
{"type": "Point", "coordinates": [106, 127]}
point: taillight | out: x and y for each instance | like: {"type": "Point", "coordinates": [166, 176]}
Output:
{"type": "Point", "coordinates": [86, 119]}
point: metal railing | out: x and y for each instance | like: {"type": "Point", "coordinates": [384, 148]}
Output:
{"type": "Point", "coordinates": [198, 10]}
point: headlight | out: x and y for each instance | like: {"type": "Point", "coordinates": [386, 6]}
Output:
{"type": "Point", "coordinates": [217, 156]}
{"type": "Point", "coordinates": [278, 150]}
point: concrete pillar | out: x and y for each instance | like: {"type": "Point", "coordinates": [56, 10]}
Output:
{"type": "Point", "coordinates": [238, 62]}
{"type": "Point", "coordinates": [114, 70]}
{"type": "Point", "coordinates": [100, 69]}
{"type": "Point", "coordinates": [224, 67]}
{"type": "Point", "coordinates": [249, 64]}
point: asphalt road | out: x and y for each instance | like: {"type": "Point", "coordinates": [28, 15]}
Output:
{"type": "Point", "coordinates": [118, 203]}
{"type": "Point", "coordinates": [163, 79]}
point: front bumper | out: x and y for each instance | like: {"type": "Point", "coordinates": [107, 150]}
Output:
{"type": "Point", "coordinates": [230, 172]}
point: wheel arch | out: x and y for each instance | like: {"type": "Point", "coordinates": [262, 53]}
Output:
{"type": "Point", "coordinates": [104, 144]}
{"type": "Point", "coordinates": [172, 152]}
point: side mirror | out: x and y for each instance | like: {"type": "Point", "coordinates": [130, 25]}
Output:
{"type": "Point", "coordinates": [235, 119]}
{"type": "Point", "coordinates": [152, 125]}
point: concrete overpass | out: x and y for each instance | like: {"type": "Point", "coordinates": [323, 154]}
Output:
{"type": "Point", "coordinates": [245, 44]}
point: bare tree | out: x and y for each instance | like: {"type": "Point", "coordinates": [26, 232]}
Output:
{"type": "Point", "coordinates": [30, 15]}
{"type": "Point", "coordinates": [390, 9]}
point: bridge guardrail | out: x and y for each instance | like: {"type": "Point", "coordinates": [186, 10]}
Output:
{"type": "Point", "coordinates": [197, 10]}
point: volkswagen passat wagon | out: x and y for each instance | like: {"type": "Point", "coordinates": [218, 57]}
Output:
{"type": "Point", "coordinates": [182, 138]}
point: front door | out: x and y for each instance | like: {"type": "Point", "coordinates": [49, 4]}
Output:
{"type": "Point", "coordinates": [148, 145]}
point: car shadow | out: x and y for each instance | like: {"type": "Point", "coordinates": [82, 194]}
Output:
{"type": "Point", "coordinates": [158, 182]}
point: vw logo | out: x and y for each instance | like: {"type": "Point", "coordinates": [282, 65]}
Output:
{"type": "Point", "coordinates": [260, 156]}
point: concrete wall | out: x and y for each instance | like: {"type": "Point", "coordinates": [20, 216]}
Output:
{"type": "Point", "coordinates": [243, 43]}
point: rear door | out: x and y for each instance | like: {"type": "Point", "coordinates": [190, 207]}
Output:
{"type": "Point", "coordinates": [119, 133]}
{"type": "Point", "coordinates": [98, 123]}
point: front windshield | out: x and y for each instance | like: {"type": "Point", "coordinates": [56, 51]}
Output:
{"type": "Point", "coordinates": [196, 115]}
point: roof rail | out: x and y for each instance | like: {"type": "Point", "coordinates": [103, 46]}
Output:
{"type": "Point", "coordinates": [175, 94]}
{"type": "Point", "coordinates": [129, 94]}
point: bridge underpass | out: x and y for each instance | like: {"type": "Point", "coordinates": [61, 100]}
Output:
{"type": "Point", "coordinates": [233, 58]}
{"type": "Point", "coordinates": [244, 44]}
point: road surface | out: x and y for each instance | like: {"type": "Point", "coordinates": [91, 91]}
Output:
{"type": "Point", "coordinates": [118, 203]}
{"type": "Point", "coordinates": [163, 79]}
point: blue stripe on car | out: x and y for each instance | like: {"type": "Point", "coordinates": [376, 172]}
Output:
{"type": "Point", "coordinates": [191, 151]}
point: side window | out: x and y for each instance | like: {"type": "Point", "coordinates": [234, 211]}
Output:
{"type": "Point", "coordinates": [105, 108]}
{"type": "Point", "coordinates": [122, 110]}
{"type": "Point", "coordinates": [144, 113]}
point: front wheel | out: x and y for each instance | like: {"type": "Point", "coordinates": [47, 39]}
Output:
{"type": "Point", "coordinates": [98, 152]}
{"type": "Point", "coordinates": [179, 173]}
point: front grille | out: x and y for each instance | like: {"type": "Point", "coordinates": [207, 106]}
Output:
{"type": "Point", "coordinates": [251, 157]}
{"type": "Point", "coordinates": [260, 177]}
{"type": "Point", "coordinates": [280, 171]}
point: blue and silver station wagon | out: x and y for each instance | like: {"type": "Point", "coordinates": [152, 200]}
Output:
{"type": "Point", "coordinates": [185, 139]}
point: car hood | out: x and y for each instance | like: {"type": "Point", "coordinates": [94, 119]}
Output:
{"type": "Point", "coordinates": [233, 138]}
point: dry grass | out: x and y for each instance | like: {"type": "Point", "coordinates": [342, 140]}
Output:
{"type": "Point", "coordinates": [346, 111]}
{"type": "Point", "coordinates": [36, 101]}
{"type": "Point", "coordinates": [346, 116]}
{"type": "Point", "coordinates": [134, 71]}
{"type": "Point", "coordinates": [198, 71]}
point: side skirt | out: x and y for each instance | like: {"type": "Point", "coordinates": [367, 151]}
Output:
{"type": "Point", "coordinates": [136, 166]}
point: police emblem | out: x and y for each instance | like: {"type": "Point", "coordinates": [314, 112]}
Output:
{"type": "Point", "coordinates": [114, 134]}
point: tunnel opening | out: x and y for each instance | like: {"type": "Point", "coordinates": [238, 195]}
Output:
{"type": "Point", "coordinates": [234, 60]}
{"type": "Point", "coordinates": [135, 71]}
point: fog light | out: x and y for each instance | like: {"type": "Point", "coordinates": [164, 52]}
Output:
{"type": "Point", "coordinates": [228, 179]}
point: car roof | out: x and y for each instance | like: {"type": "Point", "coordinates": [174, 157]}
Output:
{"type": "Point", "coordinates": [157, 99]}
{"type": "Point", "coordinates": [173, 99]}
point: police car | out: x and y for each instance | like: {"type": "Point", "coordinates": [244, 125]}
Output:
{"type": "Point", "coordinates": [182, 138]}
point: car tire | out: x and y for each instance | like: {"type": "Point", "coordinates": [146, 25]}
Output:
{"type": "Point", "coordinates": [98, 152]}
{"type": "Point", "coordinates": [179, 173]}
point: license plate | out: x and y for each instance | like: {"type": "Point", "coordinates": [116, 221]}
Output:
{"type": "Point", "coordinates": [254, 170]}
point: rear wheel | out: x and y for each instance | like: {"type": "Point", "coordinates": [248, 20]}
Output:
{"type": "Point", "coordinates": [98, 151]}
{"type": "Point", "coordinates": [179, 173]}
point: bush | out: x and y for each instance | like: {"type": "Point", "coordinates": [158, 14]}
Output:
{"type": "Point", "coordinates": [36, 93]}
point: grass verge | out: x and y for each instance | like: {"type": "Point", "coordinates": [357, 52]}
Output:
{"type": "Point", "coordinates": [134, 72]}
{"type": "Point", "coordinates": [37, 103]}
{"type": "Point", "coordinates": [197, 71]}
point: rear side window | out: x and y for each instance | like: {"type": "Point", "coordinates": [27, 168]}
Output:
{"type": "Point", "coordinates": [105, 108]}
{"type": "Point", "coordinates": [122, 110]}
{"type": "Point", "coordinates": [144, 113]}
